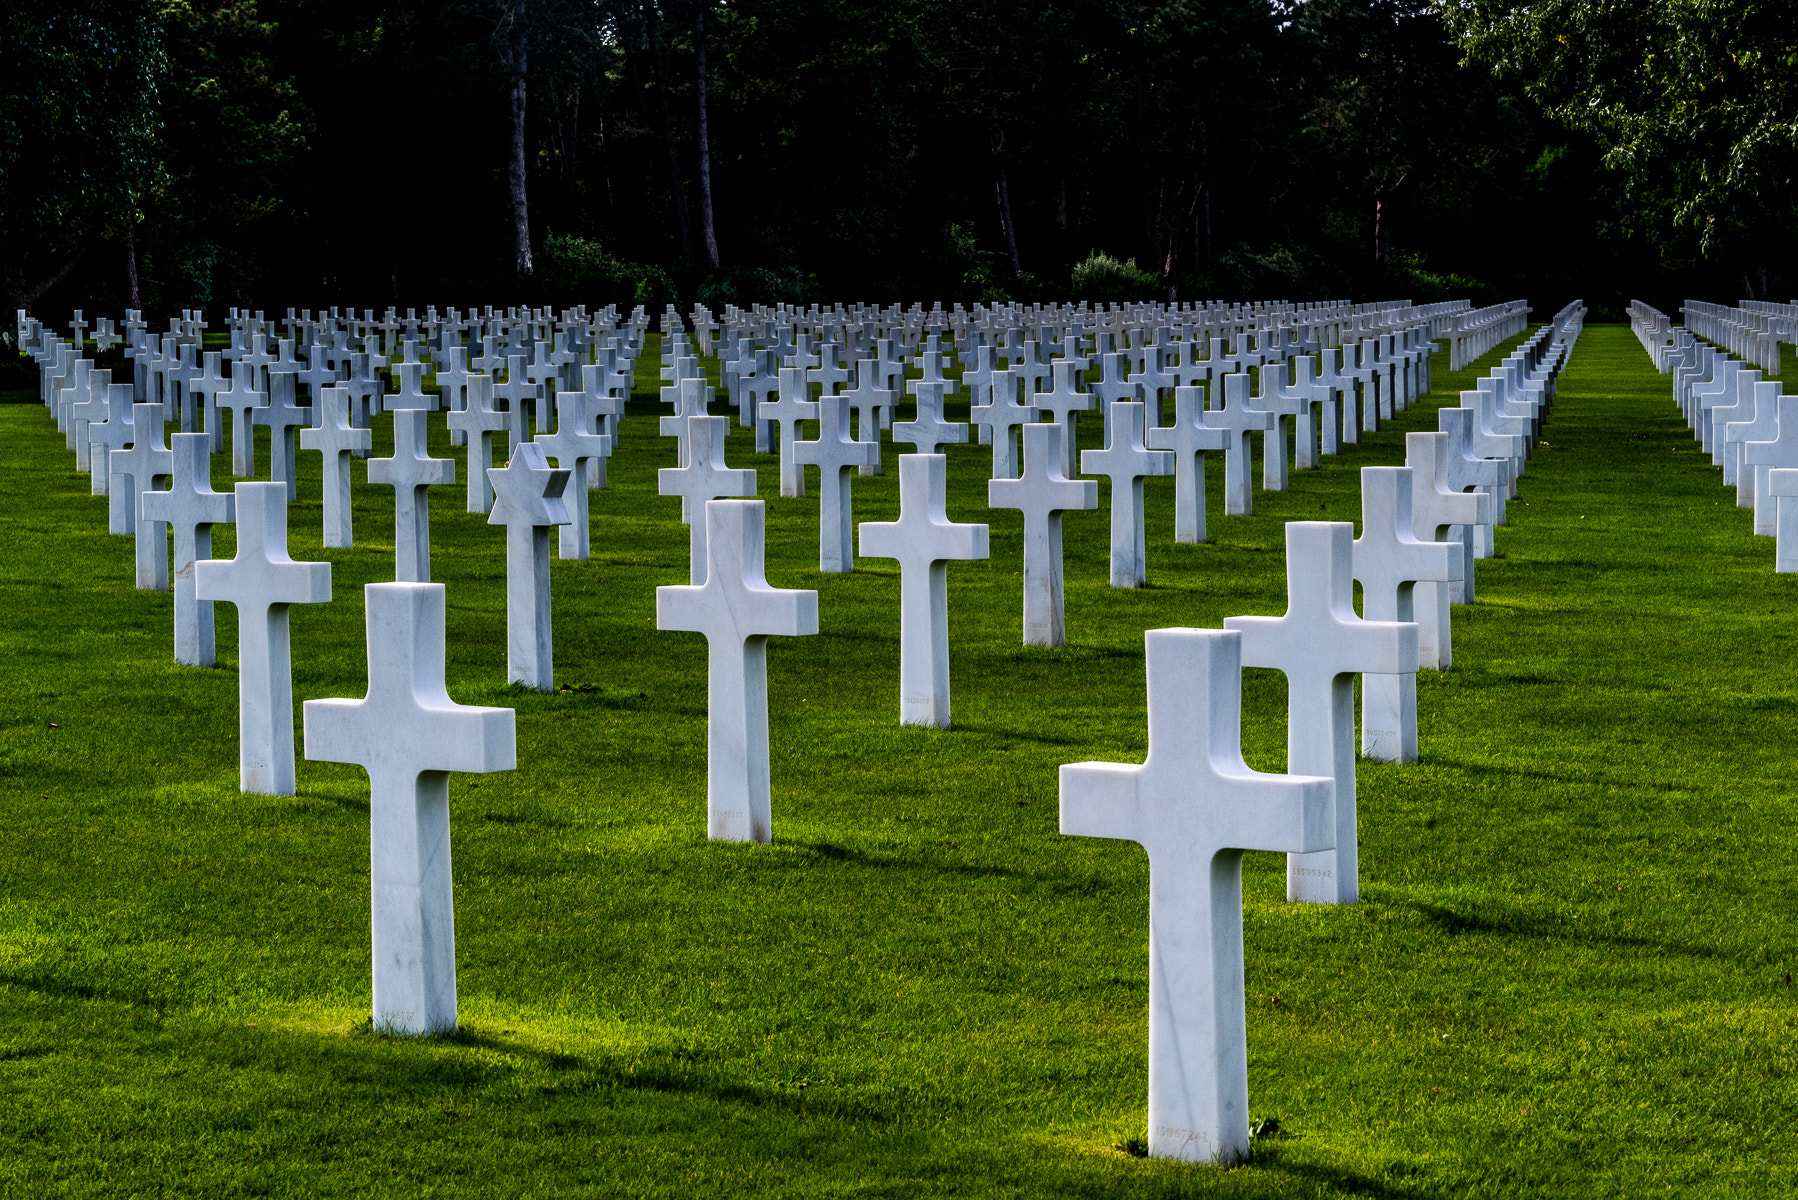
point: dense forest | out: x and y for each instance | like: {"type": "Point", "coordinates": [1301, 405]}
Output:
{"type": "Point", "coordinates": [182, 153]}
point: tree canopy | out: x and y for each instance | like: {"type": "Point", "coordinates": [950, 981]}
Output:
{"type": "Point", "coordinates": [315, 152]}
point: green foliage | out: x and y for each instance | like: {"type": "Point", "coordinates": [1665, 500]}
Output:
{"type": "Point", "coordinates": [573, 270]}
{"type": "Point", "coordinates": [80, 132]}
{"type": "Point", "coordinates": [1103, 279]}
{"type": "Point", "coordinates": [1693, 104]}
{"type": "Point", "coordinates": [1567, 976]}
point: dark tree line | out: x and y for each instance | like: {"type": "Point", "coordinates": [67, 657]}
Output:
{"type": "Point", "coordinates": [182, 153]}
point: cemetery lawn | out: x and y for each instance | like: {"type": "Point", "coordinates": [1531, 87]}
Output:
{"type": "Point", "coordinates": [1570, 973]}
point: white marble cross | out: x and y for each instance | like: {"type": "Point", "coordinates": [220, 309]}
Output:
{"type": "Point", "coordinates": [336, 440]}
{"type": "Point", "coordinates": [528, 498]}
{"type": "Point", "coordinates": [104, 439]}
{"type": "Point", "coordinates": [410, 471]}
{"type": "Point", "coordinates": [1195, 807]}
{"type": "Point", "coordinates": [1189, 437]}
{"type": "Point", "coordinates": [1321, 645]}
{"type": "Point", "coordinates": [866, 399]}
{"type": "Point", "coordinates": [409, 735]}
{"type": "Point", "coordinates": [692, 398]}
{"type": "Point", "coordinates": [1125, 461]}
{"type": "Point", "coordinates": [191, 508]}
{"type": "Point", "coordinates": [452, 385]}
{"type": "Point", "coordinates": [138, 470]}
{"type": "Point", "coordinates": [576, 448]}
{"type": "Point", "coordinates": [1466, 469]}
{"type": "Point", "coordinates": [923, 539]}
{"type": "Point", "coordinates": [94, 408]}
{"type": "Point", "coordinates": [837, 455]}
{"type": "Point", "coordinates": [997, 418]}
{"type": "Point", "coordinates": [1062, 404]}
{"type": "Point", "coordinates": [1042, 492]}
{"type": "Point", "coordinates": [208, 388]}
{"type": "Point", "coordinates": [928, 431]}
{"type": "Point", "coordinates": [704, 478]}
{"type": "Point", "coordinates": [477, 421]}
{"type": "Point", "coordinates": [738, 612]}
{"type": "Point", "coordinates": [1389, 560]}
{"type": "Point", "coordinates": [1437, 507]}
{"type": "Point", "coordinates": [242, 401]}
{"type": "Point", "coordinates": [1780, 452]}
{"type": "Point", "coordinates": [1234, 416]}
{"type": "Point", "coordinates": [791, 407]}
{"type": "Point", "coordinates": [262, 581]}
{"type": "Point", "coordinates": [518, 392]}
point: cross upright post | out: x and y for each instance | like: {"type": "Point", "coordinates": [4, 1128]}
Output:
{"type": "Point", "coordinates": [1196, 807]}
{"type": "Point", "coordinates": [410, 471]}
{"type": "Point", "coordinates": [576, 449]}
{"type": "Point", "coordinates": [478, 421]}
{"type": "Point", "coordinates": [1437, 508]}
{"type": "Point", "coordinates": [866, 399]}
{"type": "Point", "coordinates": [336, 440]}
{"type": "Point", "coordinates": [1188, 437]}
{"type": "Point", "coordinates": [1042, 492]}
{"type": "Point", "coordinates": [262, 581]}
{"type": "Point", "coordinates": [283, 417]}
{"type": "Point", "coordinates": [1125, 461]}
{"type": "Point", "coordinates": [93, 409]}
{"type": "Point", "coordinates": [138, 470]}
{"type": "Point", "coordinates": [1389, 561]}
{"type": "Point", "coordinates": [1467, 469]}
{"type": "Point", "coordinates": [997, 418]}
{"type": "Point", "coordinates": [1236, 419]}
{"type": "Point", "coordinates": [104, 439]}
{"type": "Point", "coordinates": [704, 478]}
{"type": "Point", "coordinates": [1321, 645]}
{"type": "Point", "coordinates": [928, 431]}
{"type": "Point", "coordinates": [737, 611]}
{"type": "Point", "coordinates": [528, 498]}
{"type": "Point", "coordinates": [793, 406]}
{"type": "Point", "coordinates": [191, 508]}
{"type": "Point", "coordinates": [409, 735]}
{"type": "Point", "coordinates": [1062, 404]}
{"type": "Point", "coordinates": [836, 454]}
{"type": "Point", "coordinates": [923, 539]}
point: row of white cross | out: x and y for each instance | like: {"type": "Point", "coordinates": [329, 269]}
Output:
{"type": "Point", "coordinates": [1749, 429]}
{"type": "Point", "coordinates": [1193, 804]}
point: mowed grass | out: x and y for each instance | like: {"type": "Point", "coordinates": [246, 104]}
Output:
{"type": "Point", "coordinates": [1570, 974]}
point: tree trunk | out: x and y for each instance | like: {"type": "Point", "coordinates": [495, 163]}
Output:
{"type": "Point", "coordinates": [996, 138]}
{"type": "Point", "coordinates": [515, 177]}
{"type": "Point", "coordinates": [705, 146]}
{"type": "Point", "coordinates": [659, 52]}
{"type": "Point", "coordinates": [130, 267]}
{"type": "Point", "coordinates": [1382, 234]}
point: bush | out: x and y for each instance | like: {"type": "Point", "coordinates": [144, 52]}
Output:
{"type": "Point", "coordinates": [1103, 279]}
{"type": "Point", "coordinates": [573, 270]}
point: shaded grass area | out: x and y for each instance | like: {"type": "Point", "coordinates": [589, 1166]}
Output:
{"type": "Point", "coordinates": [1569, 975]}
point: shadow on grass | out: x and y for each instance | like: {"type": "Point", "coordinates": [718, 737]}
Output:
{"type": "Point", "coordinates": [575, 1074]}
{"type": "Point", "coordinates": [1351, 1182]}
{"type": "Point", "coordinates": [67, 989]}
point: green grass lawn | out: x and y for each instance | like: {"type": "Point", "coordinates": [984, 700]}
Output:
{"type": "Point", "coordinates": [1570, 974]}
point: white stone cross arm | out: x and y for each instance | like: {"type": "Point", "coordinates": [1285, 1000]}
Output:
{"type": "Point", "coordinates": [1194, 805]}
{"type": "Point", "coordinates": [1125, 461]}
{"type": "Point", "coordinates": [262, 581]}
{"type": "Point", "coordinates": [1389, 561]}
{"type": "Point", "coordinates": [408, 734]}
{"type": "Point", "coordinates": [704, 477]}
{"type": "Point", "coordinates": [927, 430]}
{"type": "Point", "coordinates": [923, 539]}
{"type": "Point", "coordinates": [738, 612]}
{"type": "Point", "coordinates": [1321, 645]}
